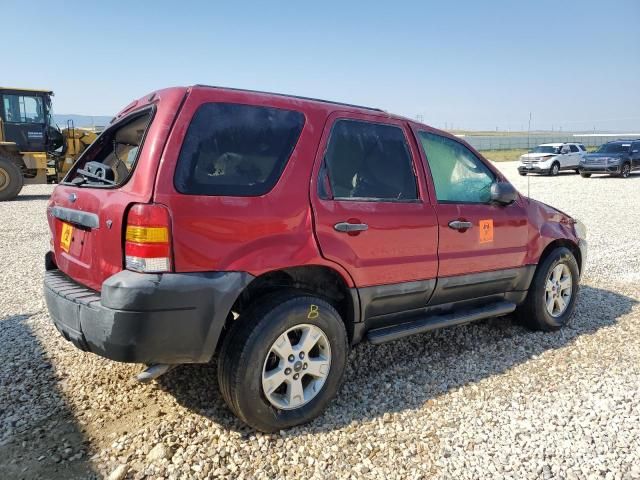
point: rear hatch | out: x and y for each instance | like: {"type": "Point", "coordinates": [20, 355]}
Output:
{"type": "Point", "coordinates": [87, 211]}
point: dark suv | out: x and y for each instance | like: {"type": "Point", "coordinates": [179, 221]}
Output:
{"type": "Point", "coordinates": [618, 158]}
{"type": "Point", "coordinates": [276, 231]}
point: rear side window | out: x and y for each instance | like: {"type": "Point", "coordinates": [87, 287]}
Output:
{"type": "Point", "coordinates": [110, 160]}
{"type": "Point", "coordinates": [236, 150]}
{"type": "Point", "coordinates": [582, 148]}
{"type": "Point", "coordinates": [369, 161]}
{"type": "Point", "coordinates": [574, 148]}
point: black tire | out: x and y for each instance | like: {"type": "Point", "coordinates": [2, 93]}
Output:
{"type": "Point", "coordinates": [625, 171]}
{"type": "Point", "coordinates": [533, 312]}
{"type": "Point", "coordinates": [555, 169]}
{"type": "Point", "coordinates": [522, 174]}
{"type": "Point", "coordinates": [585, 175]}
{"type": "Point", "coordinates": [577, 170]}
{"type": "Point", "coordinates": [247, 345]}
{"type": "Point", "coordinates": [11, 180]}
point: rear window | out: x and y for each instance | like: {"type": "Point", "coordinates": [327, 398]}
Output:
{"type": "Point", "coordinates": [236, 150]}
{"type": "Point", "coordinates": [109, 161]}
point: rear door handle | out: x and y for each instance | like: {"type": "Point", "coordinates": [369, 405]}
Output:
{"type": "Point", "coordinates": [460, 225]}
{"type": "Point", "coordinates": [346, 227]}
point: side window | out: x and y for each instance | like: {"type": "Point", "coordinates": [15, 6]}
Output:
{"type": "Point", "coordinates": [574, 148]}
{"type": "Point", "coordinates": [458, 175]}
{"type": "Point", "coordinates": [582, 148]}
{"type": "Point", "coordinates": [23, 109]}
{"type": "Point", "coordinates": [236, 150]}
{"type": "Point", "coordinates": [367, 160]}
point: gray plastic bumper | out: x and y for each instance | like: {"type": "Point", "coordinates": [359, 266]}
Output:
{"type": "Point", "coordinates": [145, 318]}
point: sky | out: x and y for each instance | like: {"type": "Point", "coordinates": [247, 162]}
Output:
{"type": "Point", "coordinates": [573, 65]}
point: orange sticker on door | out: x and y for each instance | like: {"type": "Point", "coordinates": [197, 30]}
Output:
{"type": "Point", "coordinates": [486, 231]}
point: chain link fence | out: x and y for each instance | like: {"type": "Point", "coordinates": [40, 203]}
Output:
{"type": "Point", "coordinates": [512, 142]}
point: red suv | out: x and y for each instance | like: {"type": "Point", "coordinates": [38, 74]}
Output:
{"type": "Point", "coordinates": [275, 231]}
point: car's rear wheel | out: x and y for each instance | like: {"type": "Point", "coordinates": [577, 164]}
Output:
{"type": "Point", "coordinates": [283, 361]}
{"type": "Point", "coordinates": [522, 174]}
{"type": "Point", "coordinates": [11, 180]}
{"type": "Point", "coordinates": [555, 169]}
{"type": "Point", "coordinates": [552, 295]}
{"type": "Point", "coordinates": [585, 175]}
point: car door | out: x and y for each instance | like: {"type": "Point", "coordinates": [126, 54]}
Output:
{"type": "Point", "coordinates": [372, 211]}
{"type": "Point", "coordinates": [482, 246]}
{"type": "Point", "coordinates": [574, 156]}
{"type": "Point", "coordinates": [635, 155]}
{"type": "Point", "coordinates": [564, 157]}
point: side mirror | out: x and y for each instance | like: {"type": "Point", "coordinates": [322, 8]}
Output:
{"type": "Point", "coordinates": [503, 193]}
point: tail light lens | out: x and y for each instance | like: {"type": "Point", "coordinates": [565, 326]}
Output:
{"type": "Point", "coordinates": [147, 245]}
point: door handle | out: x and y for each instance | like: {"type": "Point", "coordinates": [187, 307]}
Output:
{"type": "Point", "coordinates": [346, 227]}
{"type": "Point", "coordinates": [460, 225]}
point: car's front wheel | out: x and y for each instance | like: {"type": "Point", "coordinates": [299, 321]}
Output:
{"type": "Point", "coordinates": [555, 169]}
{"type": "Point", "coordinates": [625, 172]}
{"type": "Point", "coordinates": [551, 300]}
{"type": "Point", "coordinates": [283, 361]}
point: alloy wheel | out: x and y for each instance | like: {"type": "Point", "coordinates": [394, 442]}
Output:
{"type": "Point", "coordinates": [558, 290]}
{"type": "Point", "coordinates": [626, 170]}
{"type": "Point", "coordinates": [296, 367]}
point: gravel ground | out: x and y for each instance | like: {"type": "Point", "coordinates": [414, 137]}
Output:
{"type": "Point", "coordinates": [487, 400]}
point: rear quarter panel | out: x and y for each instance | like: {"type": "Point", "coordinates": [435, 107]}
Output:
{"type": "Point", "coordinates": [103, 246]}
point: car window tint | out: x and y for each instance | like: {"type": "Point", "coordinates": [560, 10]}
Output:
{"type": "Point", "coordinates": [582, 148]}
{"type": "Point", "coordinates": [236, 150]}
{"type": "Point", "coordinates": [574, 148]}
{"type": "Point", "coordinates": [458, 175]}
{"type": "Point", "coordinates": [367, 160]}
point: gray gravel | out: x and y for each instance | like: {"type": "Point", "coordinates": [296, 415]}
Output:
{"type": "Point", "coordinates": [488, 400]}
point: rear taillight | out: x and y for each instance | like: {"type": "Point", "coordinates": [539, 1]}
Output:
{"type": "Point", "coordinates": [147, 246]}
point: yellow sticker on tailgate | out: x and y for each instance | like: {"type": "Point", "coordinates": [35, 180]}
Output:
{"type": "Point", "coordinates": [65, 237]}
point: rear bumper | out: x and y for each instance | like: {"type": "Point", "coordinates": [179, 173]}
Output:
{"type": "Point", "coordinates": [145, 318]}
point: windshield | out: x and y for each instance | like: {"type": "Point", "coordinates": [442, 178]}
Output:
{"type": "Point", "coordinates": [545, 149]}
{"type": "Point", "coordinates": [614, 148]}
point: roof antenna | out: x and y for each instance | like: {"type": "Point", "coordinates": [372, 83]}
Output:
{"type": "Point", "coordinates": [529, 151]}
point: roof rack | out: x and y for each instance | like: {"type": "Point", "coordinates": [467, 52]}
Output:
{"type": "Point", "coordinates": [293, 96]}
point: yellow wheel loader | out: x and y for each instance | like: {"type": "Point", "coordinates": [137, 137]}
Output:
{"type": "Point", "coordinates": [32, 147]}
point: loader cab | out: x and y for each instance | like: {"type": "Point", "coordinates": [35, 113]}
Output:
{"type": "Point", "coordinates": [27, 120]}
